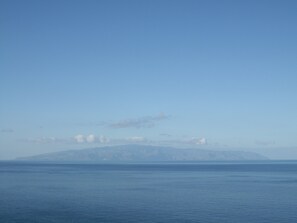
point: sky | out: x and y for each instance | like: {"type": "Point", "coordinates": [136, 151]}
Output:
{"type": "Point", "coordinates": [208, 74]}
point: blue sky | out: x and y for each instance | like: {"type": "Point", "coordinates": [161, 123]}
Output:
{"type": "Point", "coordinates": [209, 74]}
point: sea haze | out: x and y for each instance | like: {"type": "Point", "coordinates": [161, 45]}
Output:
{"type": "Point", "coordinates": [258, 192]}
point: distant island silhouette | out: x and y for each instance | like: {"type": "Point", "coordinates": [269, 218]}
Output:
{"type": "Point", "coordinates": [145, 153]}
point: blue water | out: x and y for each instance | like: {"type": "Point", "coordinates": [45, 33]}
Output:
{"type": "Point", "coordinates": [163, 192]}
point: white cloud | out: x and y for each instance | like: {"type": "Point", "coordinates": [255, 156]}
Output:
{"type": "Point", "coordinates": [201, 141]}
{"type": "Point", "coordinates": [79, 138]}
{"type": "Point", "coordinates": [91, 138]}
{"type": "Point", "coordinates": [103, 139]}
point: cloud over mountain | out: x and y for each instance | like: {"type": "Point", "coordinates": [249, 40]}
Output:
{"type": "Point", "coordinates": [90, 139]}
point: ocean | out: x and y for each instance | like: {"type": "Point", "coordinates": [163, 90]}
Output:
{"type": "Point", "coordinates": [206, 192]}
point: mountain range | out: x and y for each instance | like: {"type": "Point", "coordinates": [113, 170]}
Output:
{"type": "Point", "coordinates": [144, 153]}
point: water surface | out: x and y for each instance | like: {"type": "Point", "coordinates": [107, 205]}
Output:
{"type": "Point", "coordinates": [155, 192]}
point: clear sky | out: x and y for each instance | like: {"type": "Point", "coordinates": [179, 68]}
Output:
{"type": "Point", "coordinates": [207, 74]}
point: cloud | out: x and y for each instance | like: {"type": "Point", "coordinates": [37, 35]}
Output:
{"type": "Point", "coordinates": [103, 139]}
{"type": "Point", "coordinates": [195, 141]}
{"type": "Point", "coordinates": [7, 130]}
{"type": "Point", "coordinates": [90, 139]}
{"type": "Point", "coordinates": [143, 122]}
{"type": "Point", "coordinates": [79, 138]}
{"type": "Point", "coordinates": [201, 141]}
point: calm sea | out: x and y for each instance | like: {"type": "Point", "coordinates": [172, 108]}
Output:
{"type": "Point", "coordinates": [158, 192]}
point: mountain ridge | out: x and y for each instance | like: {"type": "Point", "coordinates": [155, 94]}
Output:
{"type": "Point", "coordinates": [135, 152]}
